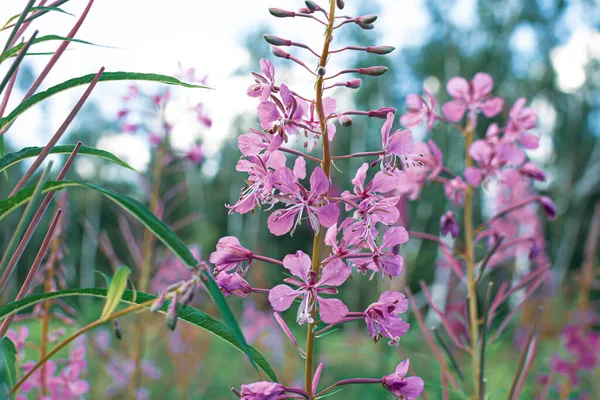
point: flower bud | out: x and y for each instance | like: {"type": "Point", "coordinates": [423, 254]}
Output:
{"type": "Point", "coordinates": [354, 84]}
{"type": "Point", "coordinates": [373, 71]}
{"type": "Point", "coordinates": [321, 71]}
{"type": "Point", "coordinates": [548, 206]}
{"type": "Point", "coordinates": [277, 52]}
{"type": "Point", "coordinates": [365, 26]}
{"type": "Point", "coordinates": [311, 5]}
{"type": "Point", "coordinates": [277, 41]}
{"type": "Point", "coordinates": [279, 13]}
{"type": "Point", "coordinates": [535, 250]}
{"type": "Point", "coordinates": [304, 10]}
{"type": "Point", "coordinates": [188, 297]}
{"type": "Point", "coordinates": [381, 50]}
{"type": "Point", "coordinates": [345, 120]}
{"type": "Point", "coordinates": [366, 19]}
{"type": "Point", "coordinates": [340, 4]}
{"type": "Point", "coordinates": [382, 112]}
{"type": "Point", "coordinates": [157, 305]}
{"type": "Point", "coordinates": [448, 225]}
{"type": "Point", "coordinates": [117, 330]}
{"type": "Point", "coordinates": [530, 170]}
{"type": "Point", "coordinates": [172, 313]}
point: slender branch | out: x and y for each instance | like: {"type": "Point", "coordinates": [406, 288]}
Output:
{"type": "Point", "coordinates": [299, 153]}
{"type": "Point", "coordinates": [267, 259]}
{"type": "Point", "coordinates": [363, 154]}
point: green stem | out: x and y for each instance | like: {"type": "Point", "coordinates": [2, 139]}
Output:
{"type": "Point", "coordinates": [326, 164]}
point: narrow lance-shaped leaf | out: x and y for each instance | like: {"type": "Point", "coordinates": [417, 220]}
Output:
{"type": "Point", "coordinates": [15, 49]}
{"type": "Point", "coordinates": [9, 353]}
{"type": "Point", "coordinates": [117, 287]}
{"type": "Point", "coordinates": [41, 9]}
{"type": "Point", "coordinates": [29, 152]}
{"type": "Point", "coordinates": [18, 24]}
{"type": "Point", "coordinates": [188, 314]}
{"type": "Point", "coordinates": [86, 79]}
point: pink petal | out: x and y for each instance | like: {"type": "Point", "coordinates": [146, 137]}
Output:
{"type": "Point", "coordinates": [492, 107]}
{"type": "Point", "coordinates": [331, 236]}
{"type": "Point", "coordinates": [79, 387]}
{"type": "Point", "coordinates": [331, 310]}
{"type": "Point", "coordinates": [300, 168]}
{"type": "Point", "coordinates": [530, 141]}
{"type": "Point", "coordinates": [267, 68]}
{"type": "Point", "coordinates": [250, 144]}
{"type": "Point", "coordinates": [473, 176]}
{"type": "Point", "coordinates": [361, 175]}
{"type": "Point", "coordinates": [276, 144]}
{"type": "Point", "coordinates": [458, 88]}
{"type": "Point", "coordinates": [281, 221]}
{"type": "Point", "coordinates": [454, 110]}
{"type": "Point", "coordinates": [515, 110]}
{"type": "Point", "coordinates": [331, 130]}
{"type": "Point", "coordinates": [383, 183]}
{"type": "Point", "coordinates": [329, 106]}
{"type": "Point", "coordinates": [414, 387]}
{"type": "Point", "coordinates": [298, 264]}
{"type": "Point", "coordinates": [528, 119]}
{"type": "Point", "coordinates": [394, 236]}
{"type": "Point", "coordinates": [400, 143]}
{"type": "Point", "coordinates": [411, 119]}
{"type": "Point", "coordinates": [402, 368]}
{"type": "Point", "coordinates": [281, 297]}
{"type": "Point", "coordinates": [482, 85]}
{"type": "Point", "coordinates": [286, 94]}
{"type": "Point", "coordinates": [386, 128]}
{"type": "Point", "coordinates": [414, 101]}
{"type": "Point", "coordinates": [319, 183]}
{"type": "Point", "coordinates": [481, 151]}
{"type": "Point", "coordinates": [390, 297]}
{"type": "Point", "coordinates": [334, 273]}
{"type": "Point", "coordinates": [267, 114]}
{"type": "Point", "coordinates": [328, 214]}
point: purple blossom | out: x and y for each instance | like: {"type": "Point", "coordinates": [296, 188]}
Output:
{"type": "Point", "coordinates": [230, 254]}
{"type": "Point", "coordinates": [521, 121]}
{"type": "Point", "coordinates": [255, 142]}
{"type": "Point", "coordinates": [419, 110]}
{"type": "Point", "coordinates": [195, 154]}
{"type": "Point", "coordinates": [455, 190]}
{"type": "Point", "coordinates": [309, 289]}
{"type": "Point", "coordinates": [405, 388]}
{"type": "Point", "coordinates": [381, 183]}
{"type": "Point", "coordinates": [472, 96]}
{"type": "Point", "coordinates": [397, 144]}
{"type": "Point", "coordinates": [383, 317]}
{"type": "Point", "coordinates": [370, 212]}
{"type": "Point", "coordinates": [281, 117]}
{"type": "Point", "coordinates": [263, 85]}
{"type": "Point", "coordinates": [233, 284]}
{"type": "Point", "coordinates": [448, 224]}
{"type": "Point", "coordinates": [262, 391]}
{"type": "Point", "coordinates": [384, 260]}
{"type": "Point", "coordinates": [298, 200]}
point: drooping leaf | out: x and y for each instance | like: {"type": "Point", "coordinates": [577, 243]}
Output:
{"type": "Point", "coordinates": [42, 9]}
{"type": "Point", "coordinates": [188, 314]}
{"type": "Point", "coordinates": [20, 19]}
{"type": "Point", "coordinates": [15, 49]}
{"type": "Point", "coordinates": [9, 358]}
{"type": "Point", "coordinates": [28, 152]}
{"type": "Point", "coordinates": [86, 79]}
{"type": "Point", "coordinates": [117, 287]}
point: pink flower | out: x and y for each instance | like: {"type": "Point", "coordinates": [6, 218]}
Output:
{"type": "Point", "coordinates": [368, 214]}
{"type": "Point", "coordinates": [405, 388]}
{"type": "Point", "coordinates": [262, 391]}
{"type": "Point", "coordinates": [233, 284]}
{"type": "Point", "coordinates": [264, 83]}
{"type": "Point", "coordinates": [419, 110]}
{"type": "Point", "coordinates": [255, 142]}
{"type": "Point", "coordinates": [230, 254]}
{"type": "Point", "coordinates": [348, 246]}
{"type": "Point", "coordinates": [19, 338]}
{"type": "Point", "coordinates": [299, 200]}
{"type": "Point", "coordinates": [309, 289]}
{"type": "Point", "coordinates": [383, 317]}
{"type": "Point", "coordinates": [472, 96]}
{"type": "Point", "coordinates": [381, 183]}
{"type": "Point", "coordinates": [202, 116]}
{"type": "Point", "coordinates": [195, 154]}
{"type": "Point", "coordinates": [129, 128]}
{"type": "Point", "coordinates": [448, 225]}
{"type": "Point", "coordinates": [281, 117]}
{"type": "Point", "coordinates": [455, 190]}
{"type": "Point", "coordinates": [521, 120]}
{"type": "Point", "coordinates": [397, 144]}
{"type": "Point", "coordinates": [172, 270]}
{"type": "Point", "coordinates": [383, 259]}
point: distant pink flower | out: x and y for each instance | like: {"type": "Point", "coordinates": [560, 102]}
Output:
{"type": "Point", "coordinates": [195, 154]}
{"type": "Point", "coordinates": [368, 214]}
{"type": "Point", "coordinates": [281, 117]}
{"type": "Point", "coordinates": [384, 260]}
{"type": "Point", "coordinates": [233, 284]}
{"type": "Point", "coordinates": [405, 388]}
{"type": "Point", "coordinates": [264, 83]}
{"type": "Point", "coordinates": [299, 200]}
{"type": "Point", "coordinates": [230, 254]}
{"type": "Point", "coordinates": [455, 190]}
{"type": "Point", "coordinates": [383, 317]}
{"type": "Point", "coordinates": [349, 245]}
{"type": "Point", "coordinates": [398, 144]}
{"type": "Point", "coordinates": [448, 225]}
{"type": "Point", "coordinates": [521, 121]}
{"type": "Point", "coordinates": [419, 110]}
{"type": "Point", "coordinates": [309, 289]}
{"type": "Point", "coordinates": [202, 116]}
{"type": "Point", "coordinates": [255, 142]}
{"type": "Point", "coordinates": [262, 391]}
{"type": "Point", "coordinates": [381, 183]}
{"type": "Point", "coordinates": [472, 96]}
{"type": "Point", "coordinates": [18, 337]}
{"type": "Point", "coordinates": [172, 270]}
{"type": "Point", "coordinates": [129, 128]}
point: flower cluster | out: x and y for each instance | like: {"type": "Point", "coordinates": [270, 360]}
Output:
{"type": "Point", "coordinates": [582, 348]}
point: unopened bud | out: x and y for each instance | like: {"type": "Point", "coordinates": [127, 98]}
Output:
{"type": "Point", "coordinates": [117, 330]}
{"type": "Point", "coordinates": [381, 112]}
{"type": "Point", "coordinates": [340, 4]}
{"type": "Point", "coordinates": [172, 313]}
{"type": "Point", "coordinates": [280, 13]}
{"type": "Point", "coordinates": [277, 41]}
{"type": "Point", "coordinates": [345, 120]}
{"type": "Point", "coordinates": [312, 6]}
{"type": "Point", "coordinates": [187, 297]}
{"type": "Point", "coordinates": [381, 50]}
{"type": "Point", "coordinates": [548, 206]}
{"type": "Point", "coordinates": [354, 84]}
{"type": "Point", "coordinates": [321, 71]}
{"type": "Point", "coordinates": [304, 10]}
{"type": "Point", "coordinates": [535, 250]}
{"type": "Point", "coordinates": [277, 52]}
{"type": "Point", "coordinates": [448, 225]}
{"type": "Point", "coordinates": [366, 19]}
{"type": "Point", "coordinates": [367, 27]}
{"type": "Point", "coordinates": [373, 71]}
{"type": "Point", "coordinates": [160, 300]}
{"type": "Point", "coordinates": [530, 170]}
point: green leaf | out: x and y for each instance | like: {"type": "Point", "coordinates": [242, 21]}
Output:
{"type": "Point", "coordinates": [157, 227]}
{"type": "Point", "coordinates": [188, 314]}
{"type": "Point", "coordinates": [45, 9]}
{"type": "Point", "coordinates": [86, 79]}
{"type": "Point", "coordinates": [18, 24]}
{"type": "Point", "coordinates": [9, 353]}
{"type": "Point", "coordinates": [117, 287]}
{"type": "Point", "coordinates": [15, 49]}
{"type": "Point", "coordinates": [28, 152]}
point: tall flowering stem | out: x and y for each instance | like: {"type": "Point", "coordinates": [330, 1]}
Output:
{"type": "Point", "coordinates": [326, 165]}
{"type": "Point", "coordinates": [470, 259]}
